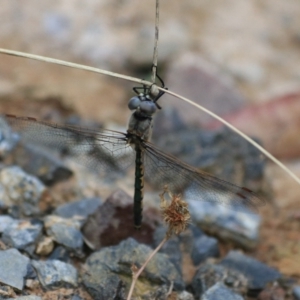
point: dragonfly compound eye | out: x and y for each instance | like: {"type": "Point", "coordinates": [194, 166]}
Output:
{"type": "Point", "coordinates": [148, 107]}
{"type": "Point", "coordinates": [134, 103]}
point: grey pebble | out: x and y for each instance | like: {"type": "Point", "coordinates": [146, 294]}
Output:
{"type": "Point", "coordinates": [55, 274]}
{"type": "Point", "coordinates": [241, 227]}
{"type": "Point", "coordinates": [296, 292]}
{"type": "Point", "coordinates": [13, 268]}
{"type": "Point", "coordinates": [208, 274]}
{"type": "Point", "coordinates": [220, 292]}
{"type": "Point", "coordinates": [257, 273]}
{"type": "Point", "coordinates": [107, 268]}
{"type": "Point", "coordinates": [4, 222]}
{"type": "Point", "coordinates": [23, 235]}
{"type": "Point", "coordinates": [40, 162]}
{"type": "Point", "coordinates": [20, 189]}
{"type": "Point", "coordinates": [67, 236]}
{"type": "Point", "coordinates": [60, 253]}
{"type": "Point", "coordinates": [82, 208]}
{"type": "Point", "coordinates": [65, 232]}
{"type": "Point", "coordinates": [204, 247]}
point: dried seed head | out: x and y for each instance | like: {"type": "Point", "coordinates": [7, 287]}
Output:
{"type": "Point", "coordinates": [175, 214]}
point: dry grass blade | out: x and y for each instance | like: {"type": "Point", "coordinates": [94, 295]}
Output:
{"type": "Point", "coordinates": [147, 83]}
{"type": "Point", "coordinates": [73, 65]}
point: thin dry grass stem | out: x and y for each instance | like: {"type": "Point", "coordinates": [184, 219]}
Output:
{"type": "Point", "coordinates": [155, 51]}
{"type": "Point", "coordinates": [170, 289]}
{"type": "Point", "coordinates": [176, 215]}
{"type": "Point", "coordinates": [148, 83]}
{"type": "Point", "coordinates": [136, 274]}
{"type": "Point", "coordinates": [73, 65]}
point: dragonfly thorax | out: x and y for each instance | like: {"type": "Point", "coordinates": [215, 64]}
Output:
{"type": "Point", "coordinates": [134, 141]}
{"type": "Point", "coordinates": [140, 125]}
{"type": "Point", "coordinates": [140, 122]}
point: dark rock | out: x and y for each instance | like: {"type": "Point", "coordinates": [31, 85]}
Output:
{"type": "Point", "coordinates": [82, 208]}
{"type": "Point", "coordinates": [110, 268]}
{"type": "Point", "coordinates": [203, 248]}
{"type": "Point", "coordinates": [257, 273]}
{"type": "Point", "coordinates": [60, 253]}
{"type": "Point", "coordinates": [210, 274]}
{"type": "Point", "coordinates": [13, 268]}
{"type": "Point", "coordinates": [188, 237]}
{"type": "Point", "coordinates": [296, 292]}
{"type": "Point", "coordinates": [65, 232]}
{"type": "Point", "coordinates": [40, 163]}
{"type": "Point", "coordinates": [23, 235]}
{"type": "Point", "coordinates": [220, 292]}
{"type": "Point", "coordinates": [112, 222]}
{"type": "Point", "coordinates": [54, 274]}
{"type": "Point", "coordinates": [31, 274]}
{"type": "Point", "coordinates": [20, 190]}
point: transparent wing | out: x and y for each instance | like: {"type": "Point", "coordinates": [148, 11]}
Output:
{"type": "Point", "coordinates": [107, 150]}
{"type": "Point", "coordinates": [99, 150]}
{"type": "Point", "coordinates": [163, 169]}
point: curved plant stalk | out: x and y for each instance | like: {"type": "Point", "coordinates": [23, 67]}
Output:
{"type": "Point", "coordinates": [137, 274]}
{"type": "Point", "coordinates": [148, 83]}
{"type": "Point", "coordinates": [176, 216]}
{"type": "Point", "coordinates": [240, 133]}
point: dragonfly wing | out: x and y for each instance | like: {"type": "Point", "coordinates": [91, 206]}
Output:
{"type": "Point", "coordinates": [99, 150]}
{"type": "Point", "coordinates": [163, 169]}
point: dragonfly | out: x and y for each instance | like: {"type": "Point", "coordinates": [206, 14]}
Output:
{"type": "Point", "coordinates": [113, 151]}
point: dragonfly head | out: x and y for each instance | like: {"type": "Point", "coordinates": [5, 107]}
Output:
{"type": "Point", "coordinates": [143, 104]}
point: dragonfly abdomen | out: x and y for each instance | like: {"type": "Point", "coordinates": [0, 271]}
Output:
{"type": "Point", "coordinates": [138, 188]}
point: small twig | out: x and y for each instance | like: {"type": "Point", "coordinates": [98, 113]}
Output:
{"type": "Point", "coordinates": [138, 273]}
{"type": "Point", "coordinates": [176, 215]}
{"type": "Point", "coordinates": [170, 289]}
